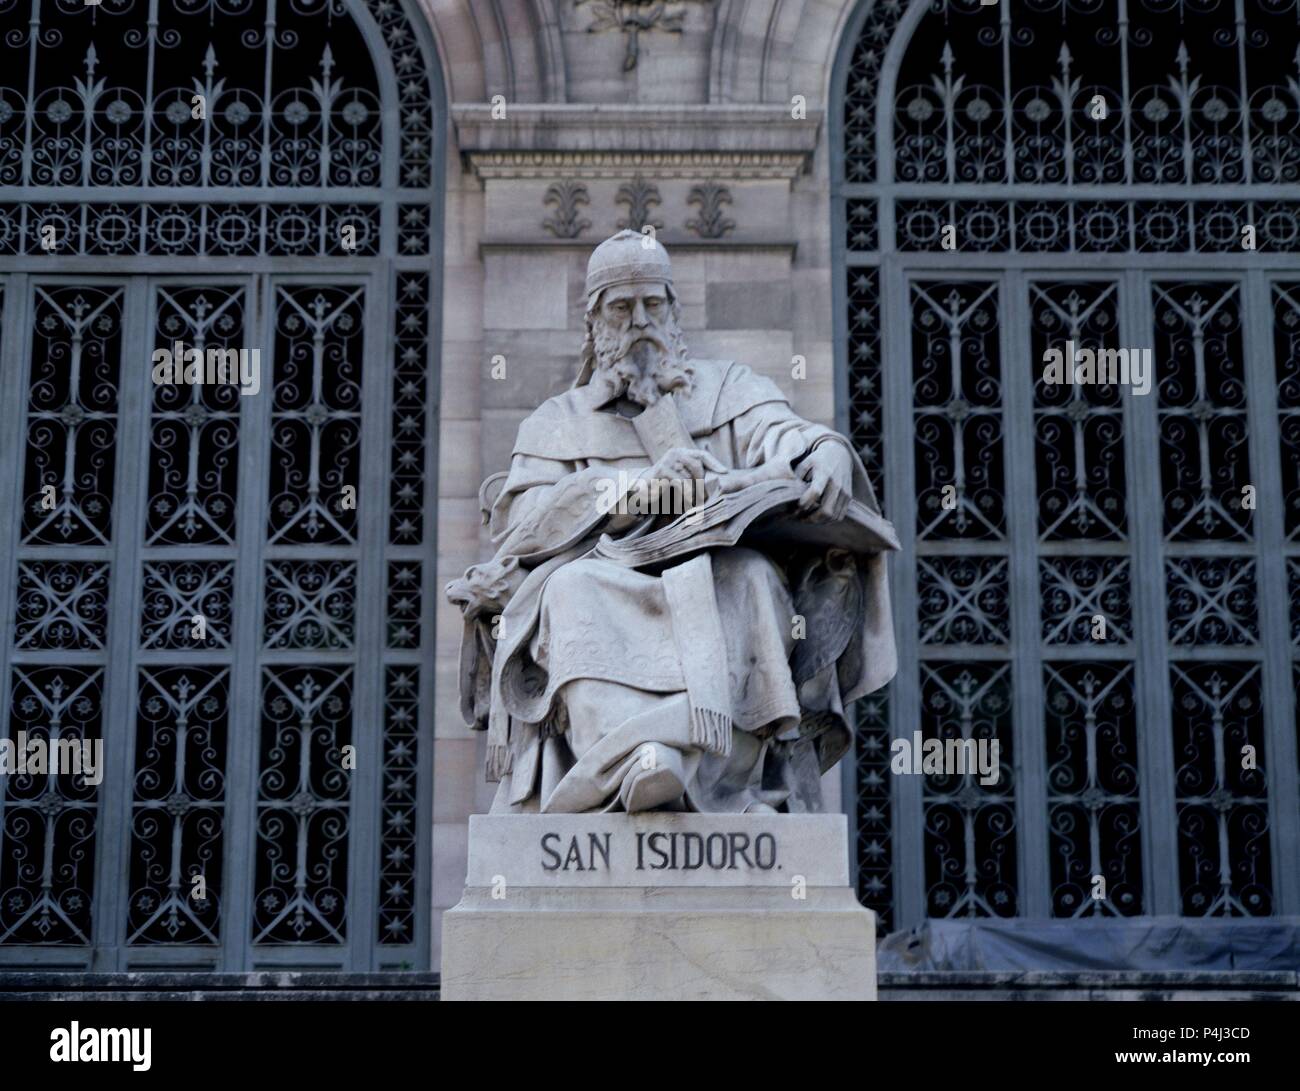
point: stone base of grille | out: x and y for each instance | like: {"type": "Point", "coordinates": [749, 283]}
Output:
{"type": "Point", "coordinates": [1098, 985]}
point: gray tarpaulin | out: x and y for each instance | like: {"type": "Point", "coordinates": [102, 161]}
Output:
{"type": "Point", "coordinates": [1142, 943]}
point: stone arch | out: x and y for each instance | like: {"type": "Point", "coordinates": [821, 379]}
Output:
{"type": "Point", "coordinates": [499, 47]}
{"type": "Point", "coordinates": [769, 50]}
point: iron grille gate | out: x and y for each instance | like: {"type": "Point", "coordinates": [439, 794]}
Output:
{"type": "Point", "coordinates": [230, 590]}
{"type": "Point", "coordinates": [969, 168]}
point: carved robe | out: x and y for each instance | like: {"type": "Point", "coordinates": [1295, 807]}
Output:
{"type": "Point", "coordinates": [590, 659]}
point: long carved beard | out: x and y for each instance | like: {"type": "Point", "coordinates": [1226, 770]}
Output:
{"type": "Point", "coordinates": [643, 365]}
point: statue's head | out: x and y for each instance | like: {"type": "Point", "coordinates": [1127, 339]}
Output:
{"type": "Point", "coordinates": [634, 342]}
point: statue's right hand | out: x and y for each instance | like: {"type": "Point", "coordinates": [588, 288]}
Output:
{"type": "Point", "coordinates": [681, 463]}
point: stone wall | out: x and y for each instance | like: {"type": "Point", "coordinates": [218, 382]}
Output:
{"type": "Point", "coordinates": [559, 134]}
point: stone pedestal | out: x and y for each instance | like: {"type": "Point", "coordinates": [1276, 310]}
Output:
{"type": "Point", "coordinates": [658, 906]}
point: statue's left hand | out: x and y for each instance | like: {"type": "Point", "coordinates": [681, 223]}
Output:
{"type": "Point", "coordinates": [829, 473]}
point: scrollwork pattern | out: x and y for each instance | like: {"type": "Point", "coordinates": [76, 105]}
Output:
{"type": "Point", "coordinates": [1078, 427]}
{"type": "Point", "coordinates": [47, 853]}
{"type": "Point", "coordinates": [62, 605]}
{"type": "Point", "coordinates": [194, 427]}
{"type": "Point", "coordinates": [164, 100]}
{"type": "Point", "coordinates": [957, 407]}
{"type": "Point", "coordinates": [1094, 807]}
{"type": "Point", "coordinates": [178, 806]}
{"type": "Point", "coordinates": [1183, 101]}
{"type": "Point", "coordinates": [72, 415]}
{"type": "Point", "coordinates": [1201, 403]}
{"type": "Point", "coordinates": [303, 806]}
{"type": "Point", "coordinates": [1211, 600]}
{"type": "Point", "coordinates": [970, 827]}
{"type": "Point", "coordinates": [175, 593]}
{"type": "Point", "coordinates": [1223, 828]}
{"type": "Point", "coordinates": [963, 600]}
{"type": "Point", "coordinates": [316, 414]}
{"type": "Point", "coordinates": [1077, 590]}
{"type": "Point", "coordinates": [310, 604]}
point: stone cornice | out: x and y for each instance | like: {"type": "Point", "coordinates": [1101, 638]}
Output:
{"type": "Point", "coordinates": [609, 141]}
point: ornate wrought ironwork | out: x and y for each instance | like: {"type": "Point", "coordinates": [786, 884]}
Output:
{"type": "Point", "coordinates": [316, 414]}
{"type": "Point", "coordinates": [1075, 590]}
{"type": "Point", "coordinates": [1092, 789]}
{"type": "Point", "coordinates": [862, 218]}
{"type": "Point", "coordinates": [1223, 110]}
{"type": "Point", "coordinates": [178, 806]}
{"type": "Point", "coordinates": [1211, 600]}
{"type": "Point", "coordinates": [183, 229]}
{"type": "Point", "coordinates": [310, 604]}
{"type": "Point", "coordinates": [303, 806]}
{"type": "Point", "coordinates": [1097, 227]}
{"type": "Point", "coordinates": [963, 600]}
{"type": "Point", "coordinates": [404, 604]}
{"type": "Point", "coordinates": [864, 396]}
{"type": "Point", "coordinates": [1286, 353]}
{"type": "Point", "coordinates": [970, 828]}
{"type": "Point", "coordinates": [62, 605]}
{"type": "Point", "coordinates": [47, 878]}
{"type": "Point", "coordinates": [957, 395]}
{"type": "Point", "coordinates": [875, 841]}
{"type": "Point", "coordinates": [1201, 395]}
{"type": "Point", "coordinates": [185, 111]}
{"type": "Point", "coordinates": [410, 426]}
{"type": "Point", "coordinates": [149, 106]}
{"type": "Point", "coordinates": [1022, 551]}
{"type": "Point", "coordinates": [177, 592]}
{"type": "Point", "coordinates": [399, 837]}
{"type": "Point", "coordinates": [1223, 826]}
{"type": "Point", "coordinates": [1078, 427]}
{"type": "Point", "coordinates": [72, 415]}
{"type": "Point", "coordinates": [862, 86]}
{"type": "Point", "coordinates": [194, 429]}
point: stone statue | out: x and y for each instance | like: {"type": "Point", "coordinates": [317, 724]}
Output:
{"type": "Point", "coordinates": [626, 657]}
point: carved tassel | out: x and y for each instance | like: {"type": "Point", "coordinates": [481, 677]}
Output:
{"type": "Point", "coordinates": [711, 730]}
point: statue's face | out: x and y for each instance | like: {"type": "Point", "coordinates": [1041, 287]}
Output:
{"type": "Point", "coordinates": [637, 340]}
{"type": "Point", "coordinates": [636, 306]}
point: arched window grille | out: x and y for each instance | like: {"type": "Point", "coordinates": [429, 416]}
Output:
{"type": "Point", "coordinates": [1107, 583]}
{"type": "Point", "coordinates": [230, 590]}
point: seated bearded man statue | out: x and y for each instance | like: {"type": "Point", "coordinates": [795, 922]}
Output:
{"type": "Point", "coordinates": [715, 681]}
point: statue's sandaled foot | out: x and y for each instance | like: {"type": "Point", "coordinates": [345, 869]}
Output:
{"type": "Point", "coordinates": [645, 789]}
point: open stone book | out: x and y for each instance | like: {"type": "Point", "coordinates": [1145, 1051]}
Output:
{"type": "Point", "coordinates": [762, 515]}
